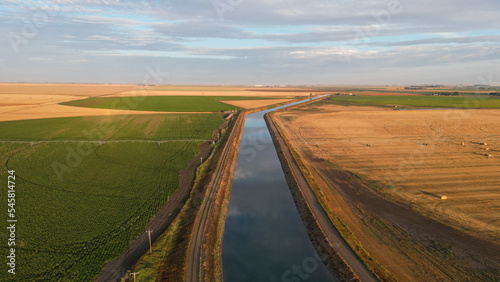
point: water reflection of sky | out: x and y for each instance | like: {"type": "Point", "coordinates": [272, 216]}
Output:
{"type": "Point", "coordinates": [264, 235]}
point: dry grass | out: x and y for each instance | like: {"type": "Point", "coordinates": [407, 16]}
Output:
{"type": "Point", "coordinates": [87, 90]}
{"type": "Point", "coordinates": [420, 153]}
{"type": "Point", "coordinates": [374, 143]}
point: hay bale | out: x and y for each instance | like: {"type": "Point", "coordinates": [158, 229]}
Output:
{"type": "Point", "coordinates": [444, 197]}
{"type": "Point", "coordinates": [484, 144]}
{"type": "Point", "coordinates": [488, 155]}
{"type": "Point", "coordinates": [487, 149]}
{"type": "Point", "coordinates": [463, 143]}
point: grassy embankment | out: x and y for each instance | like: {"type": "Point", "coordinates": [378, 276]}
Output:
{"type": "Point", "coordinates": [345, 232]}
{"type": "Point", "coordinates": [170, 252]}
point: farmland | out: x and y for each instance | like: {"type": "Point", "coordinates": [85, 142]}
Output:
{"type": "Point", "coordinates": [37, 101]}
{"type": "Point", "coordinates": [87, 186]}
{"type": "Point", "coordinates": [417, 101]}
{"type": "Point", "coordinates": [163, 103]}
{"type": "Point", "coordinates": [412, 158]}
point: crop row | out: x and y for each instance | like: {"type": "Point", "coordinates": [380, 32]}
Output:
{"type": "Point", "coordinates": [70, 226]}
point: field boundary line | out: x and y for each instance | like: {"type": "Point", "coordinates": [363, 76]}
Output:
{"type": "Point", "coordinates": [195, 253]}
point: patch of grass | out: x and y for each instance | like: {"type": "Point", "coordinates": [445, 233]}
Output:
{"type": "Point", "coordinates": [419, 101]}
{"type": "Point", "coordinates": [288, 118]}
{"type": "Point", "coordinates": [107, 193]}
{"type": "Point", "coordinates": [162, 103]}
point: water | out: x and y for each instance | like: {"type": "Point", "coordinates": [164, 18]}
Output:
{"type": "Point", "coordinates": [264, 237]}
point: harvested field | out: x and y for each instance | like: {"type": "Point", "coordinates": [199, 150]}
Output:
{"type": "Point", "coordinates": [419, 152]}
{"type": "Point", "coordinates": [88, 90]}
{"type": "Point", "coordinates": [414, 158]}
{"type": "Point", "coordinates": [36, 101]}
{"type": "Point", "coordinates": [208, 92]}
{"type": "Point", "coordinates": [252, 104]}
{"type": "Point", "coordinates": [10, 113]}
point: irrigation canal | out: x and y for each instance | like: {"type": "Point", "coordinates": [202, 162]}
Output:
{"type": "Point", "coordinates": [264, 237]}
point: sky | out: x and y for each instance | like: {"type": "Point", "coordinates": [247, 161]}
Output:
{"type": "Point", "coordinates": [293, 42]}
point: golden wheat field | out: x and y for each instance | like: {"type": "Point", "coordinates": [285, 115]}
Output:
{"type": "Point", "coordinates": [445, 161]}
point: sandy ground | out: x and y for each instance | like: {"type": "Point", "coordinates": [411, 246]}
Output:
{"type": "Point", "coordinates": [252, 104]}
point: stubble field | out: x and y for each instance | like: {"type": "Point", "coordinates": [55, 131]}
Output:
{"type": "Point", "coordinates": [413, 158]}
{"type": "Point", "coordinates": [90, 179]}
{"type": "Point", "coordinates": [423, 154]}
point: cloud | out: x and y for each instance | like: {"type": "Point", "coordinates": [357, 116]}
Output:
{"type": "Point", "coordinates": [317, 41]}
{"type": "Point", "coordinates": [441, 40]}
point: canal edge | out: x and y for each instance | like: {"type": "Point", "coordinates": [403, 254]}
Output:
{"type": "Point", "coordinates": [331, 257]}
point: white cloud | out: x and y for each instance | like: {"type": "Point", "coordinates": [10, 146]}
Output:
{"type": "Point", "coordinates": [304, 41]}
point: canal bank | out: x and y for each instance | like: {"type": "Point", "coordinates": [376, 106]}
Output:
{"type": "Point", "coordinates": [264, 236]}
{"type": "Point", "coordinates": [310, 209]}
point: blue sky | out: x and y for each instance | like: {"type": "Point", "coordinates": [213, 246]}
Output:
{"type": "Point", "coordinates": [251, 42]}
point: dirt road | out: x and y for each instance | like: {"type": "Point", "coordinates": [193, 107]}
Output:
{"type": "Point", "coordinates": [321, 217]}
{"type": "Point", "coordinates": [195, 262]}
{"type": "Point", "coordinates": [412, 245]}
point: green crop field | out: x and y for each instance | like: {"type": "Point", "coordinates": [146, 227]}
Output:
{"type": "Point", "coordinates": [79, 204]}
{"type": "Point", "coordinates": [416, 101]}
{"type": "Point", "coordinates": [162, 103]}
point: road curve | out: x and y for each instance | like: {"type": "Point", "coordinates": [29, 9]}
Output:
{"type": "Point", "coordinates": [322, 219]}
{"type": "Point", "coordinates": [195, 248]}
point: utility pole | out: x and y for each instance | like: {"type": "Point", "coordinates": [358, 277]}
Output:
{"type": "Point", "coordinates": [134, 274]}
{"type": "Point", "coordinates": [201, 160]}
{"type": "Point", "coordinates": [149, 235]}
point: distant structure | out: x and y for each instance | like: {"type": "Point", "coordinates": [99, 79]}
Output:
{"type": "Point", "coordinates": [420, 87]}
{"type": "Point", "coordinates": [272, 85]}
